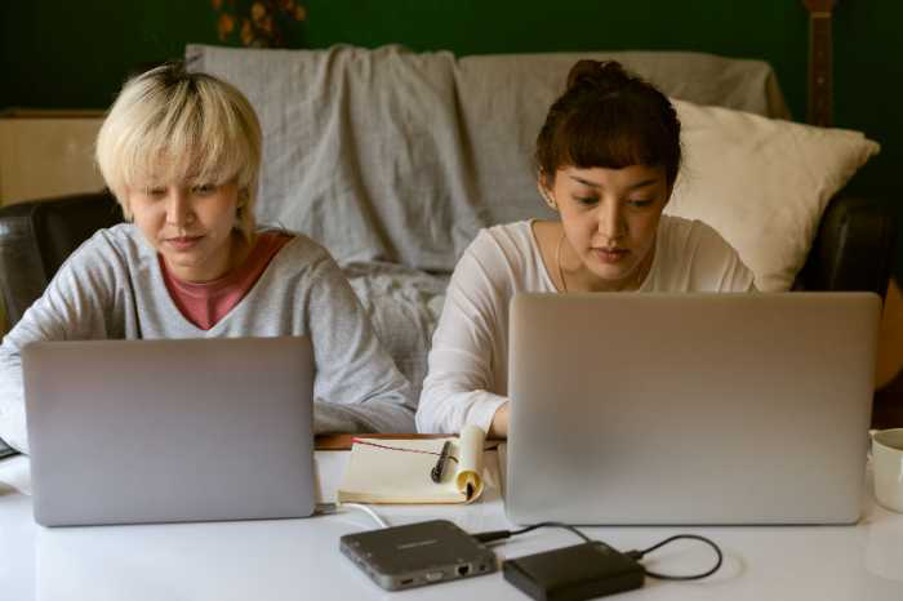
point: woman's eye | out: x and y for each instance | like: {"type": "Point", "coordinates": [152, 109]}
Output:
{"type": "Point", "coordinates": [204, 188]}
{"type": "Point", "coordinates": [156, 193]}
{"type": "Point", "coordinates": [586, 200]}
{"type": "Point", "coordinates": [639, 203]}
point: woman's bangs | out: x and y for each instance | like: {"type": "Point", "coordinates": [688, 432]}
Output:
{"type": "Point", "coordinates": [144, 159]}
{"type": "Point", "coordinates": [610, 141]}
{"type": "Point", "coordinates": [186, 144]}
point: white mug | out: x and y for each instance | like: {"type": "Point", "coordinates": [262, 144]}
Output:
{"type": "Point", "coordinates": [887, 468]}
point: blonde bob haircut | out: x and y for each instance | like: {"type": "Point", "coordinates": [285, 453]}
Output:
{"type": "Point", "coordinates": [171, 126]}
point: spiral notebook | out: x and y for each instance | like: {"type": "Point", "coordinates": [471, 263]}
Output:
{"type": "Point", "coordinates": [400, 471]}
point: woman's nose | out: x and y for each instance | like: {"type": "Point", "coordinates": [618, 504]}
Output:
{"type": "Point", "coordinates": [611, 221]}
{"type": "Point", "coordinates": [178, 208]}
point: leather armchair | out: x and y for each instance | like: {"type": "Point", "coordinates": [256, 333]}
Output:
{"type": "Point", "coordinates": [36, 237]}
{"type": "Point", "coordinates": [852, 250]}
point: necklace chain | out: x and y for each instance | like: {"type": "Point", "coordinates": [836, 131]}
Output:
{"type": "Point", "coordinates": [559, 262]}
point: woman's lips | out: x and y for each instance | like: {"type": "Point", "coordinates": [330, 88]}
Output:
{"type": "Point", "coordinates": [610, 255]}
{"type": "Point", "coordinates": [183, 243]}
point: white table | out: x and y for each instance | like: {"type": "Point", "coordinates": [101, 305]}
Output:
{"type": "Point", "coordinates": [300, 559]}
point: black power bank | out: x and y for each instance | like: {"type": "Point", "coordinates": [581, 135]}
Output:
{"type": "Point", "coordinates": [580, 572]}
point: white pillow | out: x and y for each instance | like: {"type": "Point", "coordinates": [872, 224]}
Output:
{"type": "Point", "coordinates": [762, 183]}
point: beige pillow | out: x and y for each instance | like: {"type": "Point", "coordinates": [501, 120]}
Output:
{"type": "Point", "coordinates": [762, 183]}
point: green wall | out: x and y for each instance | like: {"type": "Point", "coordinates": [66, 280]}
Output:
{"type": "Point", "coordinates": [62, 53]}
{"type": "Point", "coordinates": [76, 54]}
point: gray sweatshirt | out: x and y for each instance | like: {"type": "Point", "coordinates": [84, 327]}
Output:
{"type": "Point", "coordinates": [112, 288]}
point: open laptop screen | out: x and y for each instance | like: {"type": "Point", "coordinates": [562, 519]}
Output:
{"type": "Point", "coordinates": [170, 430]}
{"type": "Point", "coordinates": [689, 408]}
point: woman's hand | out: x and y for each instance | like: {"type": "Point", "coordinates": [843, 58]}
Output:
{"type": "Point", "coordinates": [499, 426]}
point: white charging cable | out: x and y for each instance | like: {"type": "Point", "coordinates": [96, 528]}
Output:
{"type": "Point", "coordinates": [331, 508]}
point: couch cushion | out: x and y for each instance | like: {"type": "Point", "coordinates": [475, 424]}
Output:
{"type": "Point", "coordinates": [762, 183]}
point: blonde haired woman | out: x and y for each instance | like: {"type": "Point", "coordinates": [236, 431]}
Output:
{"type": "Point", "coordinates": [181, 152]}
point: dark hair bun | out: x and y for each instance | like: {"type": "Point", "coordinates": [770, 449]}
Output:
{"type": "Point", "coordinates": [609, 117]}
{"type": "Point", "coordinates": [598, 74]}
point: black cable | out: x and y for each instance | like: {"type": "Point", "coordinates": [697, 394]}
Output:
{"type": "Point", "coordinates": [553, 524]}
{"type": "Point", "coordinates": [489, 536]}
{"type": "Point", "coordinates": [638, 554]}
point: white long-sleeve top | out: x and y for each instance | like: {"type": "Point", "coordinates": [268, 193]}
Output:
{"type": "Point", "coordinates": [467, 378]}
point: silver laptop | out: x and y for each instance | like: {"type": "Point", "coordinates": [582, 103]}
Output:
{"type": "Point", "coordinates": [170, 430]}
{"type": "Point", "coordinates": [690, 408]}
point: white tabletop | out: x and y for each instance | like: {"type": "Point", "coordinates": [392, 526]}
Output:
{"type": "Point", "coordinates": [300, 559]}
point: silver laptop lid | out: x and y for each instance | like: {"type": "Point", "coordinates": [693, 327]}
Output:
{"type": "Point", "coordinates": [689, 408]}
{"type": "Point", "coordinates": [170, 430]}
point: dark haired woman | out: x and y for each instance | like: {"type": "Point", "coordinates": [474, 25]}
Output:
{"type": "Point", "coordinates": [606, 159]}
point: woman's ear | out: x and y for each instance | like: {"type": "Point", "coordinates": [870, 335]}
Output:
{"type": "Point", "coordinates": [546, 191]}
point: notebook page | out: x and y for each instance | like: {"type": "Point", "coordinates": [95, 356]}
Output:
{"type": "Point", "coordinates": [397, 471]}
